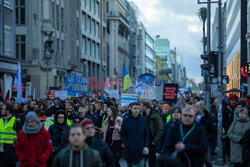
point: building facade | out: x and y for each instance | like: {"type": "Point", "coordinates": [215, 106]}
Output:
{"type": "Point", "coordinates": [146, 57]}
{"type": "Point", "coordinates": [117, 37]}
{"type": "Point", "coordinates": [8, 61]}
{"type": "Point", "coordinates": [93, 38]}
{"type": "Point", "coordinates": [162, 50]}
{"type": "Point", "coordinates": [74, 27]}
{"type": "Point", "coordinates": [133, 30]}
{"type": "Point", "coordinates": [236, 27]}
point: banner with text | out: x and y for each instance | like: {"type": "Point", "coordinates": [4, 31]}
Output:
{"type": "Point", "coordinates": [170, 93]}
{"type": "Point", "coordinates": [126, 99]}
{"type": "Point", "coordinates": [76, 84]}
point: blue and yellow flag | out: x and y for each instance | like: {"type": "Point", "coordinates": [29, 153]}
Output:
{"type": "Point", "coordinates": [127, 82]}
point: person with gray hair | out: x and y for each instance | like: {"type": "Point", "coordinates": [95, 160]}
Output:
{"type": "Point", "coordinates": [205, 119]}
{"type": "Point", "coordinates": [33, 145]}
{"type": "Point", "coordinates": [236, 133]}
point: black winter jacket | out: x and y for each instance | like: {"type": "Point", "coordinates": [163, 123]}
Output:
{"type": "Point", "coordinates": [135, 136]}
{"type": "Point", "coordinates": [246, 147]}
{"type": "Point", "coordinates": [99, 144]}
{"type": "Point", "coordinates": [195, 143]}
{"type": "Point", "coordinates": [209, 125]}
{"type": "Point", "coordinates": [59, 133]}
{"type": "Point", "coordinates": [161, 145]}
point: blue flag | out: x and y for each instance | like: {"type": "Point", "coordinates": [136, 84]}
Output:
{"type": "Point", "coordinates": [18, 83]}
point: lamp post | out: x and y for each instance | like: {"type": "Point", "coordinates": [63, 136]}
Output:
{"type": "Point", "coordinates": [203, 16]}
{"type": "Point", "coordinates": [220, 161]}
{"type": "Point", "coordinates": [48, 51]}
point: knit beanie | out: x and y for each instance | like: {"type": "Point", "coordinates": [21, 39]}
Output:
{"type": "Point", "coordinates": [166, 106]}
{"type": "Point", "coordinates": [36, 129]}
{"type": "Point", "coordinates": [87, 122]}
{"type": "Point", "coordinates": [31, 115]}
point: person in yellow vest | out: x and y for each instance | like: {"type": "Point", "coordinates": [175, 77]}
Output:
{"type": "Point", "coordinates": [166, 115]}
{"type": "Point", "coordinates": [50, 121]}
{"type": "Point", "coordinates": [9, 127]}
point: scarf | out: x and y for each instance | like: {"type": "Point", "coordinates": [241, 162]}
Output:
{"type": "Point", "coordinates": [29, 131]}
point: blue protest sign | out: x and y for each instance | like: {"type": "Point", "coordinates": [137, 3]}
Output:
{"type": "Point", "coordinates": [76, 84]}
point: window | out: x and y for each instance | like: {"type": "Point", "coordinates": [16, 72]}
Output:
{"type": "Point", "coordinates": [93, 49]}
{"type": "Point", "coordinates": [93, 27]}
{"type": "Point", "coordinates": [89, 3]}
{"type": "Point", "coordinates": [97, 30]}
{"type": "Point", "coordinates": [53, 14]}
{"type": "Point", "coordinates": [20, 47]}
{"type": "Point", "coordinates": [88, 24]}
{"type": "Point", "coordinates": [62, 48]}
{"type": "Point", "coordinates": [20, 11]}
{"type": "Point", "coordinates": [58, 45]}
{"type": "Point", "coordinates": [83, 45]}
{"type": "Point", "coordinates": [62, 21]}
{"type": "Point", "coordinates": [55, 81]}
{"type": "Point", "coordinates": [88, 47]}
{"type": "Point", "coordinates": [8, 31]}
{"type": "Point", "coordinates": [97, 9]}
{"type": "Point", "coordinates": [57, 17]}
{"type": "Point", "coordinates": [97, 51]}
{"type": "Point", "coordinates": [83, 3]}
{"type": "Point", "coordinates": [83, 21]}
{"type": "Point", "coordinates": [93, 6]}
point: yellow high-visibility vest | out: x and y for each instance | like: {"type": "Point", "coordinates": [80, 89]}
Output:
{"type": "Point", "coordinates": [52, 122]}
{"type": "Point", "coordinates": [7, 133]}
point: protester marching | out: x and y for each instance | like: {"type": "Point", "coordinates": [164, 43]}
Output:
{"type": "Point", "coordinates": [130, 130]}
{"type": "Point", "coordinates": [105, 134]}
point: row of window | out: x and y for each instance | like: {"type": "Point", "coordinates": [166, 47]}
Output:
{"type": "Point", "coordinates": [90, 47]}
{"type": "Point", "coordinates": [92, 5]}
{"type": "Point", "coordinates": [89, 25]}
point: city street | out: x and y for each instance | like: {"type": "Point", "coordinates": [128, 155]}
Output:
{"type": "Point", "coordinates": [90, 83]}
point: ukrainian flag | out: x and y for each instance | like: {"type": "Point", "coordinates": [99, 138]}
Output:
{"type": "Point", "coordinates": [127, 82]}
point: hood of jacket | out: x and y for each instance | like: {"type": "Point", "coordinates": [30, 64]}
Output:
{"type": "Point", "coordinates": [56, 116]}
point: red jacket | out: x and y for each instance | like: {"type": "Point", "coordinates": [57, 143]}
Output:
{"type": "Point", "coordinates": [33, 150]}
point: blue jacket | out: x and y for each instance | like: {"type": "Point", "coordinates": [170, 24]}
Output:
{"type": "Point", "coordinates": [196, 143]}
{"type": "Point", "coordinates": [135, 136]}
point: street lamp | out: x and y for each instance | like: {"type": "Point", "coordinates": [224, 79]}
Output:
{"type": "Point", "coordinates": [48, 51]}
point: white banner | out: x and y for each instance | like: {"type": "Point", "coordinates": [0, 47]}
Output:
{"type": "Point", "coordinates": [126, 99]}
{"type": "Point", "coordinates": [61, 94]}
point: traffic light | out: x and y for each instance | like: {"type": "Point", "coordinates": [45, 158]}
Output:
{"type": "Point", "coordinates": [48, 48]}
{"type": "Point", "coordinates": [213, 62]}
{"type": "Point", "coordinates": [204, 57]}
{"type": "Point", "coordinates": [205, 67]}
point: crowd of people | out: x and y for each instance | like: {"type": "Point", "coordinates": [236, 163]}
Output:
{"type": "Point", "coordinates": [99, 133]}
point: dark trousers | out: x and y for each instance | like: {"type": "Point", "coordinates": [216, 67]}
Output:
{"type": "Point", "coordinates": [8, 157]}
{"type": "Point", "coordinates": [116, 149]}
{"type": "Point", "coordinates": [151, 157]}
{"type": "Point", "coordinates": [237, 165]}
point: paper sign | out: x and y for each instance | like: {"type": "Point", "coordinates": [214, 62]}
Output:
{"type": "Point", "coordinates": [126, 99]}
{"type": "Point", "coordinates": [61, 94]}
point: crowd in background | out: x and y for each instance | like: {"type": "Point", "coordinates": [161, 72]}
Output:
{"type": "Point", "coordinates": [95, 132]}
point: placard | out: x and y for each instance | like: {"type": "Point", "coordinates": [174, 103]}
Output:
{"type": "Point", "coordinates": [76, 84]}
{"type": "Point", "coordinates": [126, 99]}
{"type": "Point", "coordinates": [61, 94]}
{"type": "Point", "coordinates": [170, 93]}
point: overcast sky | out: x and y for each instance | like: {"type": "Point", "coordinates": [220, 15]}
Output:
{"type": "Point", "coordinates": [176, 20]}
